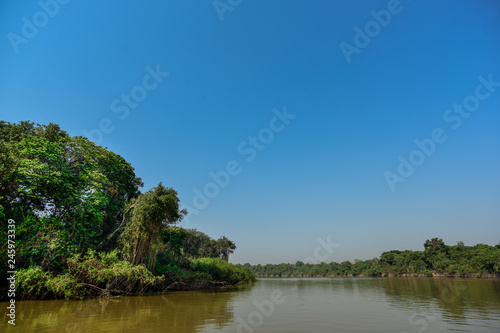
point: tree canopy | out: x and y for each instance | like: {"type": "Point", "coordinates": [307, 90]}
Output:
{"type": "Point", "coordinates": [65, 193]}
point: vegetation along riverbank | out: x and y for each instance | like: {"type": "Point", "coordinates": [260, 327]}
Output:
{"type": "Point", "coordinates": [83, 228]}
{"type": "Point", "coordinates": [437, 259]}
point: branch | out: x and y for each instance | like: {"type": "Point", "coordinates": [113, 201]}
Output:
{"type": "Point", "coordinates": [121, 224]}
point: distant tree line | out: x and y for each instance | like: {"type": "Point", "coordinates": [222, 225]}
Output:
{"type": "Point", "coordinates": [437, 258]}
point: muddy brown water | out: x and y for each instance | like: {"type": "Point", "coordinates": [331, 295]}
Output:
{"type": "Point", "coordinates": [402, 305]}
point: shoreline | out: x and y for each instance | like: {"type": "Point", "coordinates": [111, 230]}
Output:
{"type": "Point", "coordinates": [433, 275]}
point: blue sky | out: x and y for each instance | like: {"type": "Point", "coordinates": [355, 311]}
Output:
{"type": "Point", "coordinates": [321, 172]}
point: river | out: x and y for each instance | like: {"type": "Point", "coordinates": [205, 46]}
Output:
{"type": "Point", "coordinates": [402, 305]}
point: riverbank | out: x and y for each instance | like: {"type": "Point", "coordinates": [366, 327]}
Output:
{"type": "Point", "coordinates": [433, 275]}
{"type": "Point", "coordinates": [106, 275]}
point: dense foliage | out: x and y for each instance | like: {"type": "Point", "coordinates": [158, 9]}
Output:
{"type": "Point", "coordinates": [437, 258]}
{"type": "Point", "coordinates": [84, 228]}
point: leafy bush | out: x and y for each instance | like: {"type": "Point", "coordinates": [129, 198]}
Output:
{"type": "Point", "coordinates": [33, 283]}
{"type": "Point", "coordinates": [93, 275]}
{"type": "Point", "coordinates": [107, 274]}
{"type": "Point", "coordinates": [222, 271]}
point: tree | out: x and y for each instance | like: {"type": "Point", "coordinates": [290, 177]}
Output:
{"type": "Point", "coordinates": [345, 267]}
{"type": "Point", "coordinates": [146, 218]}
{"type": "Point", "coordinates": [225, 247]}
{"type": "Point", "coordinates": [66, 193]}
{"type": "Point", "coordinates": [197, 244]}
{"type": "Point", "coordinates": [435, 244]}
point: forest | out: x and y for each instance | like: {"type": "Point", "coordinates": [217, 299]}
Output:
{"type": "Point", "coordinates": [437, 259]}
{"type": "Point", "coordinates": [75, 224]}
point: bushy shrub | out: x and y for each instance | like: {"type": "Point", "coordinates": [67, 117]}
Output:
{"type": "Point", "coordinates": [93, 275]}
{"type": "Point", "coordinates": [222, 271]}
{"type": "Point", "coordinates": [33, 283]}
{"type": "Point", "coordinates": [106, 274]}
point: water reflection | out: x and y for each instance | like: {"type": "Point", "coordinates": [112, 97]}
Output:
{"type": "Point", "coordinates": [309, 305]}
{"type": "Point", "coordinates": [183, 312]}
{"type": "Point", "coordinates": [458, 299]}
{"type": "Point", "coordinates": [413, 304]}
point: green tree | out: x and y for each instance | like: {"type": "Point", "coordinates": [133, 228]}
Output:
{"type": "Point", "coordinates": [199, 245]}
{"type": "Point", "coordinates": [65, 193]}
{"type": "Point", "coordinates": [146, 218]}
{"type": "Point", "coordinates": [224, 247]}
{"type": "Point", "coordinates": [345, 267]}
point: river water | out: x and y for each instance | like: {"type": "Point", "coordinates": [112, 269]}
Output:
{"type": "Point", "coordinates": [402, 305]}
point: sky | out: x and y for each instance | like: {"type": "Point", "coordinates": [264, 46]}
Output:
{"type": "Point", "coordinates": [301, 130]}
